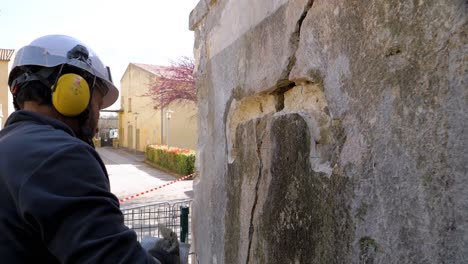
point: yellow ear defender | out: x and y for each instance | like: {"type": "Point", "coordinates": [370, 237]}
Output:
{"type": "Point", "coordinates": [70, 94]}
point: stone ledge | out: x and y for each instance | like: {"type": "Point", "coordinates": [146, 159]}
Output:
{"type": "Point", "coordinates": [198, 14]}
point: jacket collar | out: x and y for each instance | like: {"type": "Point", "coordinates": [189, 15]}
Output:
{"type": "Point", "coordinates": [29, 116]}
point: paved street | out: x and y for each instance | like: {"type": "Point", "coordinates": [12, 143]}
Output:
{"type": "Point", "coordinates": [130, 175]}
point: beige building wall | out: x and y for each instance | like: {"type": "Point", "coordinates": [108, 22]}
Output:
{"type": "Point", "coordinates": [5, 55]}
{"type": "Point", "coordinates": [140, 124]}
{"type": "Point", "coordinates": [180, 130]}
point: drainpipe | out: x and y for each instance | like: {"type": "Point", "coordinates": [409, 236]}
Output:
{"type": "Point", "coordinates": [162, 126]}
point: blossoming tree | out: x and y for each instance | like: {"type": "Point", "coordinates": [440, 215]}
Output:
{"type": "Point", "coordinates": [174, 83]}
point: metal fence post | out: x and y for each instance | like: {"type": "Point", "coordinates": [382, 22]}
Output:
{"type": "Point", "coordinates": [184, 223]}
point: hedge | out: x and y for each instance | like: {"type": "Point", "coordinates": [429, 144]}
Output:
{"type": "Point", "coordinates": [180, 161]}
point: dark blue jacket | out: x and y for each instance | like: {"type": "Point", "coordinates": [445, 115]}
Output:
{"type": "Point", "coordinates": [55, 200]}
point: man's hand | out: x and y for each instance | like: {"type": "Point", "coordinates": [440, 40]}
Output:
{"type": "Point", "coordinates": [166, 250]}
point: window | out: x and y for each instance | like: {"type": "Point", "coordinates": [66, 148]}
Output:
{"type": "Point", "coordinates": [129, 104]}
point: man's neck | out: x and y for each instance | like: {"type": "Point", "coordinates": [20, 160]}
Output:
{"type": "Point", "coordinates": [49, 110]}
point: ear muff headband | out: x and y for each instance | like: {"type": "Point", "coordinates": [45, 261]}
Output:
{"type": "Point", "coordinates": [70, 94]}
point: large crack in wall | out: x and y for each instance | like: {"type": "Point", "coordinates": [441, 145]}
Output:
{"type": "Point", "coordinates": [288, 99]}
{"type": "Point", "coordinates": [250, 142]}
{"type": "Point", "coordinates": [261, 130]}
{"type": "Point", "coordinates": [250, 117]}
{"type": "Point", "coordinates": [294, 43]}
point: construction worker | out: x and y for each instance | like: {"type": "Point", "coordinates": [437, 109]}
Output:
{"type": "Point", "coordinates": [55, 199]}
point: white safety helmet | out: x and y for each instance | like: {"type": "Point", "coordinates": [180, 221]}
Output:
{"type": "Point", "coordinates": [54, 50]}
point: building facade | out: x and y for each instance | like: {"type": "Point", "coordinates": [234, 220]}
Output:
{"type": "Point", "coordinates": [5, 56]}
{"type": "Point", "coordinates": [141, 124]}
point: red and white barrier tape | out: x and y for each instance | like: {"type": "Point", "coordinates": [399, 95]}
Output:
{"type": "Point", "coordinates": [154, 189]}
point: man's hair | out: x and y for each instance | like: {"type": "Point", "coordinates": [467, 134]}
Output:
{"type": "Point", "coordinates": [33, 91]}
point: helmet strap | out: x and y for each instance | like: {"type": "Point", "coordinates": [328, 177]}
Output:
{"type": "Point", "coordinates": [21, 81]}
{"type": "Point", "coordinates": [42, 75]}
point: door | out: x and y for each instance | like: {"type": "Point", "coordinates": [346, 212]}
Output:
{"type": "Point", "coordinates": [137, 139]}
{"type": "Point", "coordinates": [130, 137]}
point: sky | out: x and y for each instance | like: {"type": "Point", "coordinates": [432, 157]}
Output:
{"type": "Point", "coordinates": [119, 32]}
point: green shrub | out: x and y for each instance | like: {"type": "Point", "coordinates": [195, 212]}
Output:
{"type": "Point", "coordinates": [180, 161]}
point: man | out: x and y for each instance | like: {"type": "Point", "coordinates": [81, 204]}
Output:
{"type": "Point", "coordinates": [55, 199]}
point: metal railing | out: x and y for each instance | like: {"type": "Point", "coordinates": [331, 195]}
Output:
{"type": "Point", "coordinates": [144, 220]}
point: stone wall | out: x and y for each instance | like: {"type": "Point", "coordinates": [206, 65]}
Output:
{"type": "Point", "coordinates": [331, 131]}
